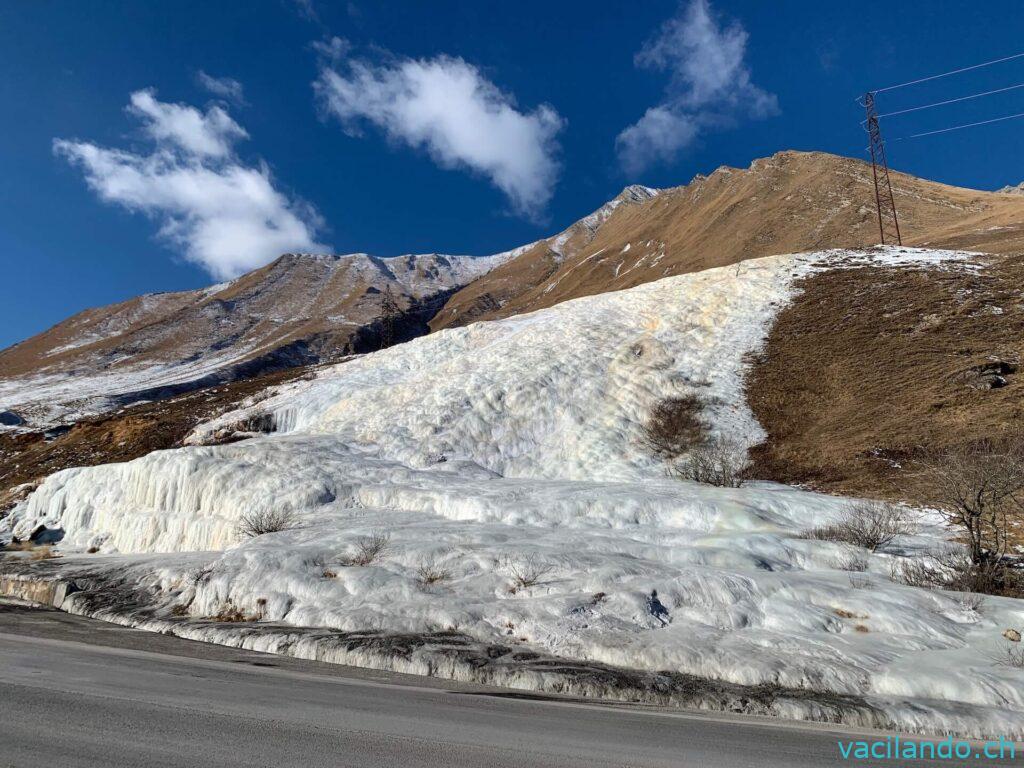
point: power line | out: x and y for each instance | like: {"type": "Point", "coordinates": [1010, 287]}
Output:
{"type": "Point", "coordinates": [958, 127]}
{"type": "Point", "coordinates": [951, 72]}
{"type": "Point", "coordinates": [952, 101]}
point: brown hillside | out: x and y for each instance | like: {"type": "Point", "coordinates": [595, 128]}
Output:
{"type": "Point", "coordinates": [867, 366]}
{"type": "Point", "coordinates": [300, 309]}
{"type": "Point", "coordinates": [790, 202]}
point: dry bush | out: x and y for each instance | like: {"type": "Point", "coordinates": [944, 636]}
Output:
{"type": "Point", "coordinates": [854, 561]}
{"type": "Point", "coordinates": [674, 426]}
{"type": "Point", "coordinates": [716, 461]}
{"type": "Point", "coordinates": [430, 572]}
{"type": "Point", "coordinates": [971, 601]}
{"type": "Point", "coordinates": [980, 491]}
{"type": "Point", "coordinates": [257, 523]}
{"type": "Point", "coordinates": [528, 571]}
{"type": "Point", "coordinates": [954, 570]}
{"type": "Point", "coordinates": [371, 548]}
{"type": "Point", "coordinates": [917, 573]}
{"type": "Point", "coordinates": [1014, 656]}
{"type": "Point", "coordinates": [868, 524]}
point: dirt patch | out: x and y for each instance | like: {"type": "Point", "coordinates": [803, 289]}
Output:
{"type": "Point", "coordinates": [867, 366]}
{"type": "Point", "coordinates": [25, 459]}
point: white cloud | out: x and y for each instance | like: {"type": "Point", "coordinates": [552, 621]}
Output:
{"type": "Point", "coordinates": [307, 10]}
{"type": "Point", "coordinates": [710, 85]}
{"type": "Point", "coordinates": [226, 88]}
{"type": "Point", "coordinates": [225, 216]}
{"type": "Point", "coordinates": [657, 136]}
{"type": "Point", "coordinates": [332, 49]}
{"type": "Point", "coordinates": [209, 135]}
{"type": "Point", "coordinates": [447, 107]}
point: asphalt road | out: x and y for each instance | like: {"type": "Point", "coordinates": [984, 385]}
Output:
{"type": "Point", "coordinates": [75, 692]}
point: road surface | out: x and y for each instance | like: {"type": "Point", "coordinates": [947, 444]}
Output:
{"type": "Point", "coordinates": [75, 692]}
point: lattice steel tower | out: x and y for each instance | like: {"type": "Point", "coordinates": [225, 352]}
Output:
{"type": "Point", "coordinates": [888, 223]}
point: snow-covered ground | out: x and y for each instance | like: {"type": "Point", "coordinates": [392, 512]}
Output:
{"type": "Point", "coordinates": [515, 448]}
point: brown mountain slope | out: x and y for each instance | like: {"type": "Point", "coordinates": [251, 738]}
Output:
{"type": "Point", "coordinates": [300, 309]}
{"type": "Point", "coordinates": [790, 202]}
{"type": "Point", "coordinates": [866, 367]}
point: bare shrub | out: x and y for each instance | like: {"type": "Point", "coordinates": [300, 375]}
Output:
{"type": "Point", "coordinates": [430, 572]}
{"type": "Point", "coordinates": [674, 426]}
{"type": "Point", "coordinates": [980, 491]}
{"type": "Point", "coordinates": [971, 601]}
{"type": "Point", "coordinates": [1013, 655]}
{"type": "Point", "coordinates": [868, 524]}
{"type": "Point", "coordinates": [259, 522]}
{"type": "Point", "coordinates": [716, 461]}
{"type": "Point", "coordinates": [853, 561]}
{"type": "Point", "coordinates": [954, 570]}
{"type": "Point", "coordinates": [371, 548]}
{"type": "Point", "coordinates": [961, 574]}
{"type": "Point", "coordinates": [528, 571]}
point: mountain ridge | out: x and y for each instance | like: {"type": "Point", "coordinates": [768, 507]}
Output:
{"type": "Point", "coordinates": [790, 202]}
{"type": "Point", "coordinates": [305, 309]}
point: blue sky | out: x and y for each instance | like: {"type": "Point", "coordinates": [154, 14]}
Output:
{"type": "Point", "coordinates": [196, 139]}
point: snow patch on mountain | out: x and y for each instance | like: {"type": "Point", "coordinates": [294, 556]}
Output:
{"type": "Point", "coordinates": [168, 340]}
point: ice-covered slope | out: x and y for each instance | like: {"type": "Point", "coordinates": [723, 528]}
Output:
{"type": "Point", "coordinates": [518, 446]}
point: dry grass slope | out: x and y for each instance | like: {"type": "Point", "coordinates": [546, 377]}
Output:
{"type": "Point", "coordinates": [867, 366]}
{"type": "Point", "coordinates": [790, 202]}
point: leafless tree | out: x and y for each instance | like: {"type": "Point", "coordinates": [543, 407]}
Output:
{"type": "Point", "coordinates": [980, 491]}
